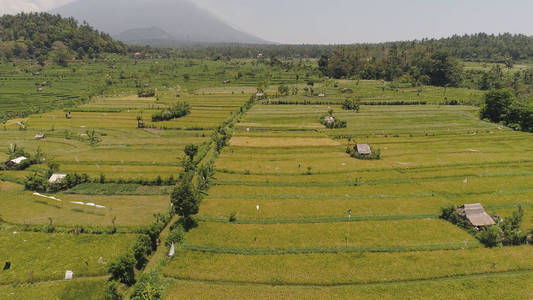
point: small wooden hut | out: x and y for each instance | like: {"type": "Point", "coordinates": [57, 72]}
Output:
{"type": "Point", "coordinates": [475, 214]}
{"type": "Point", "coordinates": [57, 178]}
{"type": "Point", "coordinates": [363, 149]}
{"type": "Point", "coordinates": [16, 161]}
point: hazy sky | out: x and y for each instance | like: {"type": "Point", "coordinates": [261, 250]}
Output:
{"type": "Point", "coordinates": [348, 21]}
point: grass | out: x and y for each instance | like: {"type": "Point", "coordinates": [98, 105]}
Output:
{"type": "Point", "coordinates": [77, 289]}
{"type": "Point", "coordinates": [23, 207]}
{"type": "Point", "coordinates": [327, 235]}
{"type": "Point", "coordinates": [503, 286]}
{"type": "Point", "coordinates": [44, 257]}
{"type": "Point", "coordinates": [118, 189]}
{"type": "Point", "coordinates": [300, 243]}
{"type": "Point", "coordinates": [346, 268]}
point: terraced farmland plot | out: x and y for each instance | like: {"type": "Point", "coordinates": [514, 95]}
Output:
{"type": "Point", "coordinates": [24, 207]}
{"type": "Point", "coordinates": [513, 285]}
{"type": "Point", "coordinates": [45, 257]}
{"type": "Point", "coordinates": [123, 151]}
{"type": "Point", "coordinates": [278, 214]}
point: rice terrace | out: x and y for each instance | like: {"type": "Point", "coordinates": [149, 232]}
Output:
{"type": "Point", "coordinates": [199, 168]}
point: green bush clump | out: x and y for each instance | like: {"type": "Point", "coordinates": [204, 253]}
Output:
{"type": "Point", "coordinates": [146, 93]}
{"type": "Point", "coordinates": [504, 233]}
{"type": "Point", "coordinates": [501, 107]}
{"type": "Point", "coordinates": [149, 286]}
{"type": "Point", "coordinates": [122, 268]}
{"type": "Point", "coordinates": [331, 122]}
{"type": "Point", "coordinates": [351, 104]}
{"type": "Point", "coordinates": [176, 236]}
{"type": "Point", "coordinates": [111, 291]}
{"type": "Point", "coordinates": [178, 110]}
{"type": "Point", "coordinates": [374, 155]}
{"type": "Point", "coordinates": [141, 250]}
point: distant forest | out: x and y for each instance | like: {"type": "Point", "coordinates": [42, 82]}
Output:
{"type": "Point", "coordinates": [45, 36]}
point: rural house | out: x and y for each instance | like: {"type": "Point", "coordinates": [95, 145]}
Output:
{"type": "Point", "coordinates": [39, 136]}
{"type": "Point", "coordinates": [475, 214]}
{"type": "Point", "coordinates": [260, 96]}
{"type": "Point", "coordinates": [57, 178]}
{"type": "Point", "coordinates": [363, 149]}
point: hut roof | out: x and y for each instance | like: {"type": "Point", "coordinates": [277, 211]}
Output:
{"type": "Point", "coordinates": [329, 119]}
{"type": "Point", "coordinates": [476, 214]}
{"type": "Point", "coordinates": [57, 178]}
{"type": "Point", "coordinates": [364, 149]}
{"type": "Point", "coordinates": [18, 160]}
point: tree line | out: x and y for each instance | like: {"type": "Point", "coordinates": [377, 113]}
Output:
{"type": "Point", "coordinates": [43, 36]}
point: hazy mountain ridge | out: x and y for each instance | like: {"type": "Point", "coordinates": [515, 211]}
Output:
{"type": "Point", "coordinates": [177, 21]}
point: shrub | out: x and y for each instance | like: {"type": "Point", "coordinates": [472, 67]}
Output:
{"type": "Point", "coordinates": [176, 236]}
{"type": "Point", "coordinates": [149, 286]}
{"type": "Point", "coordinates": [490, 236]}
{"type": "Point", "coordinates": [232, 217]}
{"type": "Point", "coordinates": [351, 104]}
{"type": "Point", "coordinates": [122, 269]}
{"type": "Point", "coordinates": [111, 291]}
{"type": "Point", "coordinates": [331, 122]}
{"type": "Point", "coordinates": [35, 182]}
{"type": "Point", "coordinates": [180, 109]}
{"type": "Point", "coordinates": [145, 93]}
{"type": "Point", "coordinates": [141, 249]}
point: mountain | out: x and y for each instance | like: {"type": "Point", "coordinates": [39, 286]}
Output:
{"type": "Point", "coordinates": [156, 21]}
{"type": "Point", "coordinates": [146, 36]}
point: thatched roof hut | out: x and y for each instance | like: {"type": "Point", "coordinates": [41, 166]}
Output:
{"type": "Point", "coordinates": [363, 149]}
{"type": "Point", "coordinates": [476, 215]}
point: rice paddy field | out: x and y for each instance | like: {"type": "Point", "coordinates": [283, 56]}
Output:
{"type": "Point", "coordinates": [275, 223]}
{"type": "Point", "coordinates": [289, 184]}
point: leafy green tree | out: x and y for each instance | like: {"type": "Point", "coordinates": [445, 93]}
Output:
{"type": "Point", "coordinates": [283, 90]}
{"type": "Point", "coordinates": [497, 104]}
{"type": "Point", "coordinates": [122, 268]}
{"type": "Point", "coordinates": [191, 150]}
{"type": "Point", "coordinates": [185, 198]}
{"type": "Point", "coordinates": [141, 249]}
{"type": "Point", "coordinates": [176, 236]}
{"type": "Point", "coordinates": [149, 287]}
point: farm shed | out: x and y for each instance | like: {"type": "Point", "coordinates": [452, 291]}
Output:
{"type": "Point", "coordinates": [39, 136]}
{"type": "Point", "coordinates": [329, 119]}
{"type": "Point", "coordinates": [476, 214]}
{"type": "Point", "coordinates": [363, 149]}
{"type": "Point", "coordinates": [18, 160]}
{"type": "Point", "coordinates": [57, 178]}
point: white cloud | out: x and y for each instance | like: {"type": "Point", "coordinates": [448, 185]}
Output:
{"type": "Point", "coordinates": [16, 6]}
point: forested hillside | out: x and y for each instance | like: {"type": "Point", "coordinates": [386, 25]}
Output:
{"type": "Point", "coordinates": [44, 36]}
